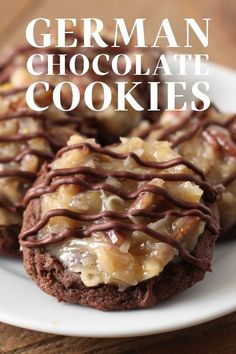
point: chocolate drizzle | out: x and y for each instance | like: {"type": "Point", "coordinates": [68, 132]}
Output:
{"type": "Point", "coordinates": [188, 134]}
{"type": "Point", "coordinates": [224, 138]}
{"type": "Point", "coordinates": [18, 173]}
{"type": "Point", "coordinates": [211, 193]}
{"type": "Point", "coordinates": [27, 151]}
{"type": "Point", "coordinates": [43, 132]}
{"type": "Point", "coordinates": [117, 225]}
{"type": "Point", "coordinates": [148, 164]}
{"type": "Point", "coordinates": [228, 180]}
{"type": "Point", "coordinates": [11, 207]}
{"type": "Point", "coordinates": [104, 221]}
{"type": "Point", "coordinates": [21, 114]}
{"type": "Point", "coordinates": [54, 144]}
{"type": "Point", "coordinates": [84, 124]}
{"type": "Point", "coordinates": [13, 91]}
{"type": "Point", "coordinates": [8, 64]}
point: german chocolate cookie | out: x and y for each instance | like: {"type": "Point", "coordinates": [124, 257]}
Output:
{"type": "Point", "coordinates": [27, 140]}
{"type": "Point", "coordinates": [207, 139]}
{"type": "Point", "coordinates": [108, 125]}
{"type": "Point", "coordinates": [119, 227]}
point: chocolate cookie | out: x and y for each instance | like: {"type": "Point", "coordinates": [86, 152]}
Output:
{"type": "Point", "coordinates": [27, 139]}
{"type": "Point", "coordinates": [207, 139]}
{"type": "Point", "coordinates": [108, 125]}
{"type": "Point", "coordinates": [119, 227]}
{"type": "Point", "coordinates": [9, 245]}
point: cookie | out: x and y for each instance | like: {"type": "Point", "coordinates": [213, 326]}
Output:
{"type": "Point", "coordinates": [27, 140]}
{"type": "Point", "coordinates": [119, 227]}
{"type": "Point", "coordinates": [207, 139]}
{"type": "Point", "coordinates": [108, 125]}
{"type": "Point", "coordinates": [9, 245]}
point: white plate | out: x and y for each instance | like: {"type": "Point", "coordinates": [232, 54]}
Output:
{"type": "Point", "coordinates": [23, 304]}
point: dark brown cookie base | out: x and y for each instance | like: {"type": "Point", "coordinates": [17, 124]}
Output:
{"type": "Point", "coordinates": [51, 276]}
{"type": "Point", "coordinates": [9, 245]}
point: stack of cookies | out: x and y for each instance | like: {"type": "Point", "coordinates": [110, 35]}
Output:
{"type": "Point", "coordinates": [113, 210]}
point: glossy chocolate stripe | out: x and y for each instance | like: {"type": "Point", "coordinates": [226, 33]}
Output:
{"type": "Point", "coordinates": [228, 180]}
{"type": "Point", "coordinates": [36, 192]}
{"type": "Point", "coordinates": [117, 215]}
{"type": "Point", "coordinates": [27, 48]}
{"type": "Point", "coordinates": [18, 173]}
{"type": "Point", "coordinates": [72, 117]}
{"type": "Point", "coordinates": [49, 185]}
{"type": "Point", "coordinates": [174, 128]}
{"type": "Point", "coordinates": [159, 191]}
{"type": "Point", "coordinates": [195, 128]}
{"type": "Point", "coordinates": [226, 123]}
{"type": "Point", "coordinates": [13, 91]}
{"type": "Point", "coordinates": [22, 114]}
{"type": "Point", "coordinates": [117, 225]}
{"type": "Point", "coordinates": [11, 207]}
{"type": "Point", "coordinates": [186, 136]}
{"type": "Point", "coordinates": [29, 136]}
{"type": "Point", "coordinates": [149, 164]}
{"type": "Point", "coordinates": [25, 152]}
{"type": "Point", "coordinates": [223, 140]}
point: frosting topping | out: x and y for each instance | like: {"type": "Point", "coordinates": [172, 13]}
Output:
{"type": "Point", "coordinates": [119, 215]}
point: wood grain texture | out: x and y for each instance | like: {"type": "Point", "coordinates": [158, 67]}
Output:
{"type": "Point", "coordinates": [217, 337]}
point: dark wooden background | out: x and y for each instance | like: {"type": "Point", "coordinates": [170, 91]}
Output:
{"type": "Point", "coordinates": [217, 337]}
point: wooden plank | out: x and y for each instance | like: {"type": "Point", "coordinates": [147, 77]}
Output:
{"type": "Point", "coordinates": [12, 338]}
{"type": "Point", "coordinates": [218, 336]}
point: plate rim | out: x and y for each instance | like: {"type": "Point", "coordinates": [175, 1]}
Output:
{"type": "Point", "coordinates": [136, 333]}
